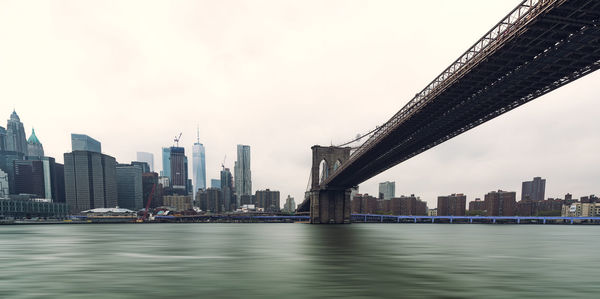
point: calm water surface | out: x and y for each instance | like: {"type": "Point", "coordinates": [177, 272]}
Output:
{"type": "Point", "coordinates": [299, 261]}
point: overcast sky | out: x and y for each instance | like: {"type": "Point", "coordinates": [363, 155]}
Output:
{"type": "Point", "coordinates": [281, 76]}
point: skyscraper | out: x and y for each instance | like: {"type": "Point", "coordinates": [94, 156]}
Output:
{"type": "Point", "coordinates": [81, 142]}
{"type": "Point", "coordinates": [90, 181]}
{"type": "Point", "coordinates": [166, 162]}
{"type": "Point", "coordinates": [243, 179]}
{"type": "Point", "coordinates": [129, 186]}
{"type": "Point", "coordinates": [146, 157]}
{"type": "Point", "coordinates": [199, 165]}
{"type": "Point", "coordinates": [214, 183]}
{"type": "Point", "coordinates": [387, 190]}
{"type": "Point", "coordinates": [142, 165]}
{"type": "Point", "coordinates": [7, 159]}
{"type": "Point", "coordinates": [178, 169]}
{"type": "Point", "coordinates": [2, 139]}
{"type": "Point", "coordinates": [290, 205]}
{"type": "Point", "coordinates": [41, 176]}
{"type": "Point", "coordinates": [34, 146]}
{"type": "Point", "coordinates": [534, 190]}
{"type": "Point", "coordinates": [29, 178]}
{"type": "Point", "coordinates": [226, 185]}
{"type": "Point", "coordinates": [15, 135]}
{"type": "Point", "coordinates": [4, 191]}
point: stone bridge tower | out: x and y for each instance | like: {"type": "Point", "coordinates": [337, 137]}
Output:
{"type": "Point", "coordinates": [328, 204]}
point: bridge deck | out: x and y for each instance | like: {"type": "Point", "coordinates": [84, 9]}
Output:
{"type": "Point", "coordinates": [555, 43]}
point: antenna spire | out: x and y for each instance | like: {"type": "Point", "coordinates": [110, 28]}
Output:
{"type": "Point", "coordinates": [198, 133]}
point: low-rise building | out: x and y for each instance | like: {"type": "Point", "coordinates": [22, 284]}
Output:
{"type": "Point", "coordinates": [268, 200]}
{"type": "Point", "coordinates": [22, 207]}
{"type": "Point", "coordinates": [477, 205]}
{"type": "Point", "coordinates": [408, 205]}
{"type": "Point", "coordinates": [500, 203]}
{"type": "Point", "coordinates": [579, 209]}
{"type": "Point", "coordinates": [210, 200]}
{"type": "Point", "coordinates": [452, 205]}
{"type": "Point", "coordinates": [178, 202]}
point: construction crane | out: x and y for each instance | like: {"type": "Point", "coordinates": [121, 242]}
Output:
{"type": "Point", "coordinates": [223, 164]}
{"type": "Point", "coordinates": [148, 203]}
{"type": "Point", "coordinates": [176, 140]}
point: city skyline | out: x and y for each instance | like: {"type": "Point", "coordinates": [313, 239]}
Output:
{"type": "Point", "coordinates": [244, 151]}
{"type": "Point", "coordinates": [553, 136]}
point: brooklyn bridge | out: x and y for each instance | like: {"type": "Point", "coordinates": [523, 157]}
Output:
{"type": "Point", "coordinates": [539, 46]}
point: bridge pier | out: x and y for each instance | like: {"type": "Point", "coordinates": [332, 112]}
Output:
{"type": "Point", "coordinates": [330, 206]}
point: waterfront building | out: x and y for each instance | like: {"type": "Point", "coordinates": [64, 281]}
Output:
{"type": "Point", "coordinates": [364, 204]}
{"type": "Point", "coordinates": [82, 142]}
{"type": "Point", "coordinates": [90, 181]}
{"type": "Point", "coordinates": [129, 186]}
{"type": "Point", "coordinates": [452, 205]}
{"type": "Point", "coordinates": [387, 190]}
{"type": "Point", "coordinates": [242, 173]}
{"type": "Point", "coordinates": [548, 207]}
{"type": "Point", "coordinates": [40, 176]}
{"type": "Point", "coordinates": [408, 205]}
{"type": "Point", "coordinates": [214, 183]}
{"type": "Point", "coordinates": [432, 212]}
{"type": "Point", "coordinates": [144, 166]}
{"type": "Point", "coordinates": [290, 205]}
{"type": "Point", "coordinates": [579, 209]}
{"type": "Point", "coordinates": [178, 170]}
{"type": "Point", "coordinates": [166, 162]}
{"type": "Point", "coordinates": [15, 135]}
{"type": "Point", "coordinates": [178, 202]}
{"type": "Point", "coordinates": [210, 200]}
{"type": "Point", "coordinates": [199, 165]}
{"type": "Point", "coordinates": [500, 203]}
{"type": "Point", "coordinates": [29, 178]}
{"type": "Point", "coordinates": [34, 146]}
{"type": "Point", "coordinates": [477, 205]}
{"type": "Point", "coordinates": [25, 206]}
{"type": "Point", "coordinates": [533, 189]}
{"type": "Point", "coordinates": [226, 183]}
{"type": "Point", "coordinates": [247, 200]}
{"type": "Point", "coordinates": [4, 190]}
{"type": "Point", "coordinates": [146, 157]}
{"type": "Point", "coordinates": [267, 200]}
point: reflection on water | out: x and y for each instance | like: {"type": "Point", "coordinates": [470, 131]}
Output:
{"type": "Point", "coordinates": [298, 261]}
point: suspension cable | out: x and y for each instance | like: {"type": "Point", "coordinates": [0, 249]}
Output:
{"type": "Point", "coordinates": [360, 137]}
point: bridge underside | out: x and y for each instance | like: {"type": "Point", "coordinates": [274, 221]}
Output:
{"type": "Point", "coordinates": [557, 47]}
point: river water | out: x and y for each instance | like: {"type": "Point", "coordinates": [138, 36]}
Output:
{"type": "Point", "coordinates": [299, 261]}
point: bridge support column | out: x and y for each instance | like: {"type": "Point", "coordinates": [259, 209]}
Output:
{"type": "Point", "coordinates": [330, 206]}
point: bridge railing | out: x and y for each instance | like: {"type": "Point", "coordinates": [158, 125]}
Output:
{"type": "Point", "coordinates": [526, 11]}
